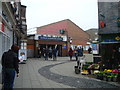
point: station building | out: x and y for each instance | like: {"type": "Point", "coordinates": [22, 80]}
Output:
{"type": "Point", "coordinates": [62, 34]}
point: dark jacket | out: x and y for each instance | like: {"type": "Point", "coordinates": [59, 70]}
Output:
{"type": "Point", "coordinates": [10, 60]}
{"type": "Point", "coordinates": [80, 53]}
{"type": "Point", "coordinates": [55, 52]}
{"type": "Point", "coordinates": [46, 51]}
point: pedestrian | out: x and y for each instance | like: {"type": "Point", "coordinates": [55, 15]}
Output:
{"type": "Point", "coordinates": [89, 50]}
{"type": "Point", "coordinates": [43, 52]}
{"type": "Point", "coordinates": [82, 49]}
{"type": "Point", "coordinates": [54, 53]}
{"type": "Point", "coordinates": [46, 52]}
{"type": "Point", "coordinates": [70, 52]}
{"type": "Point", "coordinates": [10, 67]}
{"type": "Point", "coordinates": [39, 52]}
{"type": "Point", "coordinates": [50, 52]}
{"type": "Point", "coordinates": [80, 54]}
{"type": "Point", "coordinates": [76, 53]}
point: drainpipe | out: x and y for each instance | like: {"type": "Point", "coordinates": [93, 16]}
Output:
{"type": "Point", "coordinates": [13, 37]}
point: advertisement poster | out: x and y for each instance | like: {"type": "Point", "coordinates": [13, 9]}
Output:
{"type": "Point", "coordinates": [23, 53]}
{"type": "Point", "coordinates": [95, 49]}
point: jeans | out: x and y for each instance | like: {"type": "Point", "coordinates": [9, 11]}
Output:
{"type": "Point", "coordinates": [8, 79]}
{"type": "Point", "coordinates": [46, 56]}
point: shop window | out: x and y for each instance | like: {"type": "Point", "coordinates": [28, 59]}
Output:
{"type": "Point", "coordinates": [5, 43]}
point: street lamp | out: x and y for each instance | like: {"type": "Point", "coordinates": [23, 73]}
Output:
{"type": "Point", "coordinates": [70, 40]}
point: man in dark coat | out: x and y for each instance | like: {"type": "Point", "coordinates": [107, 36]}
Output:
{"type": "Point", "coordinates": [46, 53]}
{"type": "Point", "coordinates": [10, 67]}
{"type": "Point", "coordinates": [89, 50]}
{"type": "Point", "coordinates": [54, 54]}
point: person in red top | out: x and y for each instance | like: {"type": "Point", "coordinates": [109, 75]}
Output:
{"type": "Point", "coordinates": [70, 52]}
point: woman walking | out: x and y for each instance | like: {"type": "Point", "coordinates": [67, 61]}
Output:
{"type": "Point", "coordinates": [70, 52]}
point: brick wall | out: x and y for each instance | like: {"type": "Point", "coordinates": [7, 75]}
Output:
{"type": "Point", "coordinates": [79, 37]}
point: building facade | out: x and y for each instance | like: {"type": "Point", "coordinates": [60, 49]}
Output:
{"type": "Point", "coordinates": [109, 31]}
{"type": "Point", "coordinates": [63, 34]}
{"type": "Point", "coordinates": [11, 30]}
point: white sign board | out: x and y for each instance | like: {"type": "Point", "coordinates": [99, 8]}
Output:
{"type": "Point", "coordinates": [95, 48]}
{"type": "Point", "coordinates": [23, 52]}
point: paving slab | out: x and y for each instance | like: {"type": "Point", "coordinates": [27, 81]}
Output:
{"type": "Point", "coordinates": [31, 78]}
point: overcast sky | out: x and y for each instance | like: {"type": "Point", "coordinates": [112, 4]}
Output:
{"type": "Point", "coordinates": [83, 13]}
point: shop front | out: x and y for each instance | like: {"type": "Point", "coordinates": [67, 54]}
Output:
{"type": "Point", "coordinates": [110, 50]}
{"type": "Point", "coordinates": [59, 42]}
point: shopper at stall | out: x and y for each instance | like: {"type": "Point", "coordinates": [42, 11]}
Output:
{"type": "Point", "coordinates": [76, 52]}
{"type": "Point", "coordinates": [80, 54]}
{"type": "Point", "coordinates": [89, 50]}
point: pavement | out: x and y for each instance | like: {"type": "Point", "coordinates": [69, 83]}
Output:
{"type": "Point", "coordinates": [40, 73]}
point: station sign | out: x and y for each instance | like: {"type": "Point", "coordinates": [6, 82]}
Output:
{"type": "Point", "coordinates": [50, 38]}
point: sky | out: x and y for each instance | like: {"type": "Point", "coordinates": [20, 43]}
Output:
{"type": "Point", "coordinates": [83, 13]}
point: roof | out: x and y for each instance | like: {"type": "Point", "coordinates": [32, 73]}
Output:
{"type": "Point", "coordinates": [78, 35]}
{"type": "Point", "coordinates": [93, 33]}
{"type": "Point", "coordinates": [52, 29]}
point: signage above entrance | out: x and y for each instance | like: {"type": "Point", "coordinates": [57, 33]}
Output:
{"type": "Point", "coordinates": [50, 38]}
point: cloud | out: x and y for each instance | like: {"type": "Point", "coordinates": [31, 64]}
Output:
{"type": "Point", "coordinates": [43, 12]}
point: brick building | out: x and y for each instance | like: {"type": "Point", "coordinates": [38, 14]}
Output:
{"type": "Point", "coordinates": [63, 34]}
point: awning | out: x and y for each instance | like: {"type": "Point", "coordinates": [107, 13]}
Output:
{"type": "Point", "coordinates": [109, 42]}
